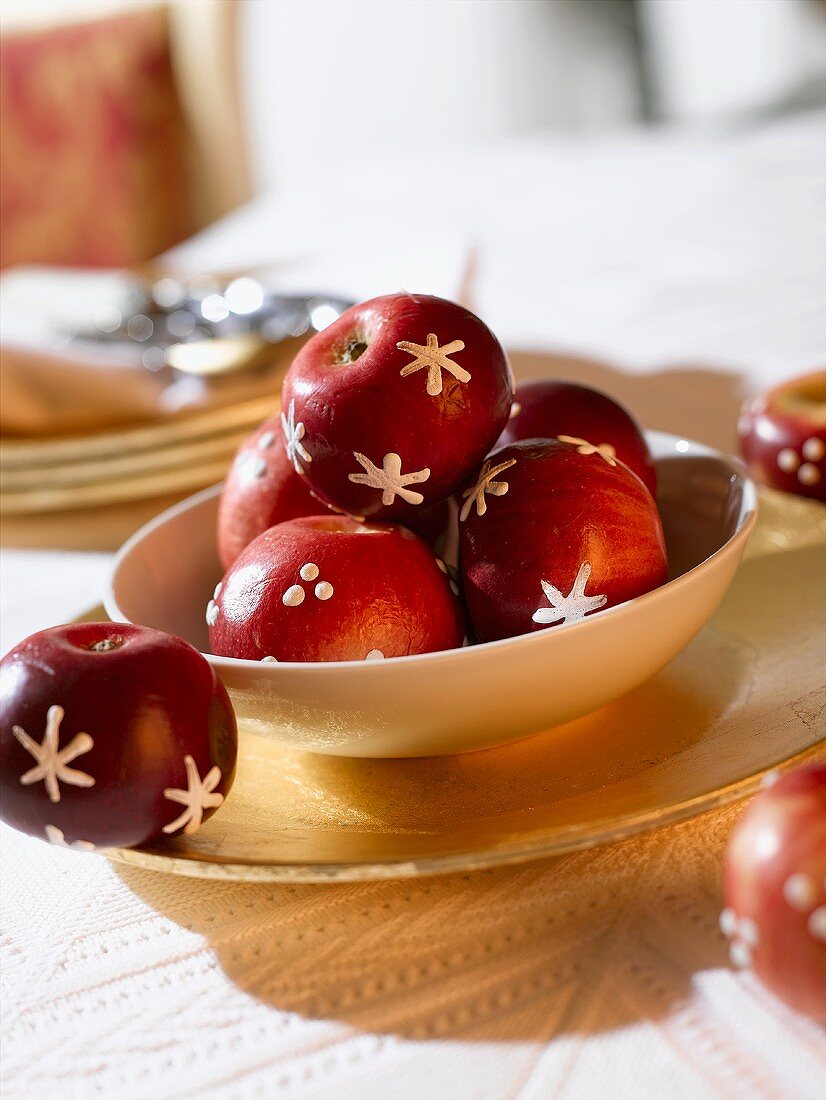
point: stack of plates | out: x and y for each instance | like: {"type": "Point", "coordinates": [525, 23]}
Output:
{"type": "Point", "coordinates": [134, 463]}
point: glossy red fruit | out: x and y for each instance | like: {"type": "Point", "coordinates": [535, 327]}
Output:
{"type": "Point", "coordinates": [775, 888]}
{"type": "Point", "coordinates": [551, 532]}
{"type": "Point", "coordinates": [111, 735]}
{"type": "Point", "coordinates": [262, 489]}
{"type": "Point", "coordinates": [391, 407]}
{"type": "Point", "coordinates": [547, 409]}
{"type": "Point", "coordinates": [328, 588]}
{"type": "Point", "coordinates": [783, 436]}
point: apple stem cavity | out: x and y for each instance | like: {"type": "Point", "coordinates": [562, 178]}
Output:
{"type": "Point", "coordinates": [351, 351]}
{"type": "Point", "coordinates": [106, 645]}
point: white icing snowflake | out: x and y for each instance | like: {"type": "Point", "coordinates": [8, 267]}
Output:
{"type": "Point", "coordinates": [55, 836]}
{"type": "Point", "coordinates": [604, 450]}
{"type": "Point", "coordinates": [573, 607]}
{"type": "Point", "coordinates": [293, 434]}
{"type": "Point", "coordinates": [434, 360]}
{"type": "Point", "coordinates": [52, 762]}
{"type": "Point", "coordinates": [485, 484]}
{"type": "Point", "coordinates": [198, 797]}
{"type": "Point", "coordinates": [213, 611]}
{"type": "Point", "coordinates": [389, 478]}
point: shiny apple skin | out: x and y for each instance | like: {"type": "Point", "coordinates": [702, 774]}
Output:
{"type": "Point", "coordinates": [783, 436]}
{"type": "Point", "coordinates": [545, 408]}
{"type": "Point", "coordinates": [775, 889]}
{"type": "Point", "coordinates": [389, 594]}
{"type": "Point", "coordinates": [561, 509]}
{"type": "Point", "coordinates": [261, 490]}
{"type": "Point", "coordinates": [146, 705]}
{"type": "Point", "coordinates": [367, 407]}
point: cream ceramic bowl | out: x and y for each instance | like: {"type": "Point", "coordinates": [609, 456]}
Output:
{"type": "Point", "coordinates": [462, 699]}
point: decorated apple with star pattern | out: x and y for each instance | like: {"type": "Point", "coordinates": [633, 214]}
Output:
{"type": "Point", "coordinates": [548, 409]}
{"type": "Point", "coordinates": [775, 888]}
{"type": "Point", "coordinates": [388, 409]}
{"type": "Point", "coordinates": [331, 588]}
{"type": "Point", "coordinates": [112, 735]}
{"type": "Point", "coordinates": [783, 436]}
{"type": "Point", "coordinates": [262, 489]}
{"type": "Point", "coordinates": [551, 532]}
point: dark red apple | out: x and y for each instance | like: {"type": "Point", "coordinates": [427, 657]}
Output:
{"type": "Point", "coordinates": [112, 735]}
{"type": "Point", "coordinates": [262, 489]}
{"type": "Point", "coordinates": [547, 409]}
{"type": "Point", "coordinates": [775, 887]}
{"type": "Point", "coordinates": [329, 588]}
{"type": "Point", "coordinates": [551, 532]}
{"type": "Point", "coordinates": [783, 436]}
{"type": "Point", "coordinates": [389, 408]}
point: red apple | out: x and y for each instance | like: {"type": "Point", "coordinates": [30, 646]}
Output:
{"type": "Point", "coordinates": [262, 489]}
{"type": "Point", "coordinates": [551, 532]}
{"type": "Point", "coordinates": [775, 887]}
{"type": "Point", "coordinates": [547, 409]}
{"type": "Point", "coordinates": [783, 436]}
{"type": "Point", "coordinates": [389, 408]}
{"type": "Point", "coordinates": [112, 735]}
{"type": "Point", "coordinates": [329, 588]}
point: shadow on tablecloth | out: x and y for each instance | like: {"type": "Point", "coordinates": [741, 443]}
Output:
{"type": "Point", "coordinates": [582, 944]}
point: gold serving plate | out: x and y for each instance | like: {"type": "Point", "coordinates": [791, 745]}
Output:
{"type": "Point", "coordinates": [745, 697]}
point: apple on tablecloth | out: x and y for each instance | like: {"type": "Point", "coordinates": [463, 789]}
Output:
{"type": "Point", "coordinates": [783, 436]}
{"type": "Point", "coordinates": [775, 887]}
{"type": "Point", "coordinates": [112, 735]}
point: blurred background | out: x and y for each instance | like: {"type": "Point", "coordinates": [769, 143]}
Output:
{"type": "Point", "coordinates": [633, 188]}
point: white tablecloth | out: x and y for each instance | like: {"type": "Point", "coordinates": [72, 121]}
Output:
{"type": "Point", "coordinates": [602, 974]}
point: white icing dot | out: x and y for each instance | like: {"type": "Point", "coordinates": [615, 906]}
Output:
{"type": "Point", "coordinates": [817, 924]}
{"type": "Point", "coordinates": [740, 954]}
{"type": "Point", "coordinates": [293, 596]}
{"type": "Point", "coordinates": [728, 922]}
{"type": "Point", "coordinates": [454, 588]}
{"type": "Point", "coordinates": [308, 572]}
{"type": "Point", "coordinates": [814, 449]}
{"type": "Point", "coordinates": [516, 409]}
{"type": "Point", "coordinates": [266, 440]}
{"type": "Point", "coordinates": [374, 655]}
{"type": "Point", "coordinates": [800, 891]}
{"type": "Point", "coordinates": [808, 474]}
{"type": "Point", "coordinates": [441, 565]}
{"type": "Point", "coordinates": [269, 660]}
{"type": "Point", "coordinates": [258, 467]}
{"type": "Point", "coordinates": [323, 590]}
{"type": "Point", "coordinates": [788, 460]}
{"type": "Point", "coordinates": [770, 778]}
{"type": "Point", "coordinates": [217, 591]}
{"type": "Point", "coordinates": [212, 613]}
{"type": "Point", "coordinates": [748, 931]}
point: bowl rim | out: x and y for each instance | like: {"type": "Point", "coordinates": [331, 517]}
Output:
{"type": "Point", "coordinates": [680, 445]}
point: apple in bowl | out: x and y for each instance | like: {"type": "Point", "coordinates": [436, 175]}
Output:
{"type": "Point", "coordinates": [553, 531]}
{"type": "Point", "coordinates": [548, 409]}
{"type": "Point", "coordinates": [331, 588]}
{"type": "Point", "coordinates": [388, 409]}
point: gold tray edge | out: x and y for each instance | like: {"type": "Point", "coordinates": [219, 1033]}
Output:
{"type": "Point", "coordinates": [555, 844]}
